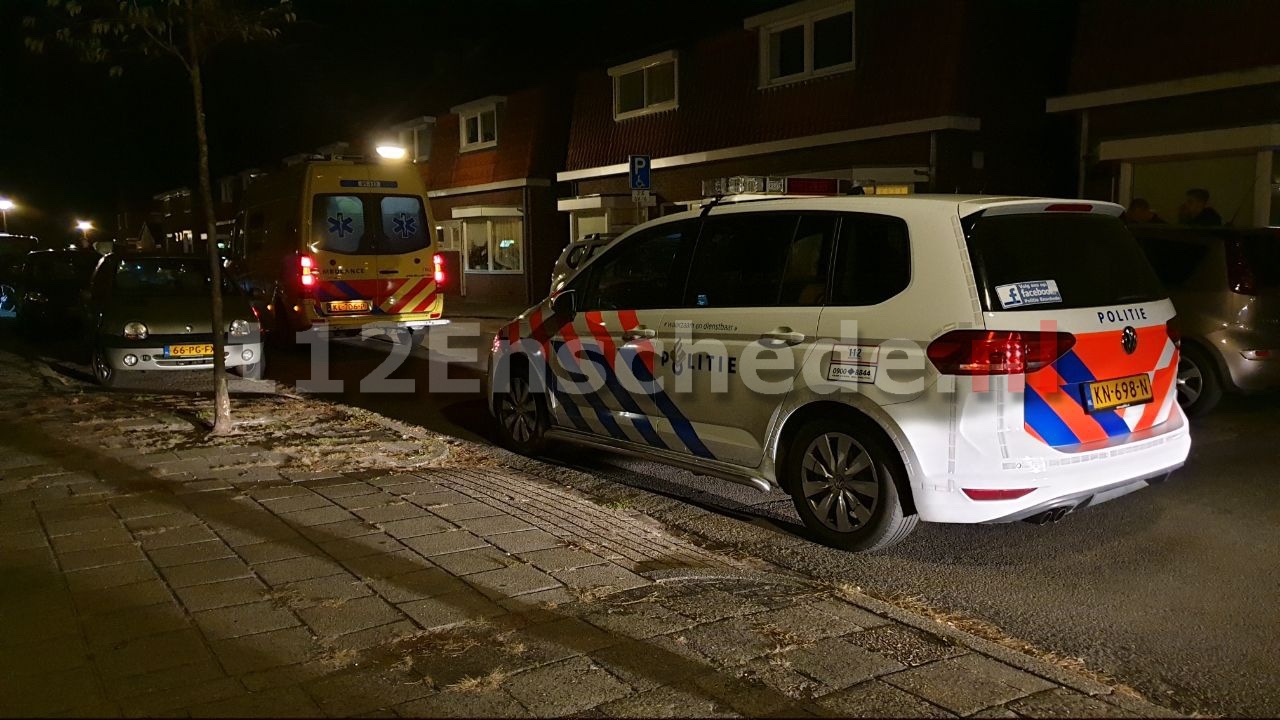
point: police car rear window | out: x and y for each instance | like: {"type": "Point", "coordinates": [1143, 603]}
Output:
{"type": "Point", "coordinates": [1057, 261]}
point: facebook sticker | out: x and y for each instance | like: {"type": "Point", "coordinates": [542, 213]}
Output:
{"type": "Point", "coordinates": [1036, 292]}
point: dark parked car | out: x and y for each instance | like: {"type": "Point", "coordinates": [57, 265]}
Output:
{"type": "Point", "coordinates": [1225, 284]}
{"type": "Point", "coordinates": [151, 313]}
{"type": "Point", "coordinates": [49, 289]}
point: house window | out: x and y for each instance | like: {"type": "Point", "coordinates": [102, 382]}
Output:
{"type": "Point", "coordinates": [645, 86]}
{"type": "Point", "coordinates": [493, 244]}
{"type": "Point", "coordinates": [805, 46]}
{"type": "Point", "coordinates": [417, 141]}
{"type": "Point", "coordinates": [479, 128]}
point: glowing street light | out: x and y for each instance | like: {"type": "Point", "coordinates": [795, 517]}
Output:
{"type": "Point", "coordinates": [5, 206]}
{"type": "Point", "coordinates": [84, 226]}
{"type": "Point", "coordinates": [391, 152]}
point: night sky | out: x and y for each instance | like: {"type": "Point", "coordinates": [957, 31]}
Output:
{"type": "Point", "coordinates": [77, 143]}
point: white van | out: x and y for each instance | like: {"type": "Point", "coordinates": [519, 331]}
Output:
{"type": "Point", "coordinates": [885, 360]}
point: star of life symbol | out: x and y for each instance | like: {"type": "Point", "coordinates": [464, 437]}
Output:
{"type": "Point", "coordinates": [405, 225]}
{"type": "Point", "coordinates": [340, 226]}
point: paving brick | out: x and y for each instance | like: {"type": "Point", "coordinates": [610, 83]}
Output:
{"type": "Point", "coordinates": [362, 546]}
{"type": "Point", "coordinates": [434, 499]}
{"type": "Point", "coordinates": [561, 558]}
{"type": "Point", "coordinates": [152, 653]}
{"type": "Point", "coordinates": [747, 695]}
{"type": "Point", "coordinates": [191, 553]}
{"type": "Point", "coordinates": [158, 524]}
{"type": "Point", "coordinates": [29, 540]}
{"type": "Point", "coordinates": [285, 675]}
{"type": "Point", "coordinates": [906, 645]}
{"type": "Point", "coordinates": [464, 704]}
{"type": "Point", "coordinates": [445, 611]}
{"type": "Point", "coordinates": [429, 582]}
{"type": "Point", "coordinates": [344, 490]}
{"type": "Point", "coordinates": [147, 592]}
{"type": "Point", "coordinates": [259, 532]}
{"type": "Point", "coordinates": [110, 577]}
{"type": "Point", "coordinates": [38, 695]}
{"type": "Point", "coordinates": [240, 620]}
{"type": "Point", "coordinates": [426, 524]}
{"type": "Point", "coordinates": [43, 657]}
{"type": "Point", "coordinates": [164, 679]}
{"type": "Point", "coordinates": [378, 636]}
{"type": "Point", "coordinates": [600, 579]}
{"type": "Point", "coordinates": [803, 623]}
{"type": "Point", "coordinates": [369, 501]}
{"type": "Point", "coordinates": [289, 702]}
{"type": "Point", "coordinates": [959, 688]}
{"type": "Point", "coordinates": [875, 699]}
{"type": "Point", "coordinates": [495, 525]}
{"type": "Point", "coordinates": [274, 648]}
{"type": "Point", "coordinates": [238, 591]}
{"type": "Point", "coordinates": [349, 616]}
{"type": "Point", "coordinates": [446, 542]}
{"type": "Point", "coordinates": [387, 564]}
{"type": "Point", "coordinates": [470, 562]}
{"type": "Point", "coordinates": [89, 527]}
{"type": "Point", "coordinates": [100, 557]}
{"type": "Point", "coordinates": [168, 701]}
{"type": "Point", "coordinates": [350, 693]}
{"type": "Point", "coordinates": [344, 529]}
{"type": "Point", "coordinates": [652, 663]}
{"type": "Point", "coordinates": [728, 642]}
{"type": "Point", "coordinates": [396, 510]}
{"type": "Point", "coordinates": [112, 628]}
{"type": "Point", "coordinates": [280, 572]}
{"type": "Point", "coordinates": [329, 589]}
{"type": "Point", "coordinates": [565, 688]}
{"type": "Point", "coordinates": [839, 664]}
{"type": "Point", "coordinates": [509, 581]}
{"type": "Point", "coordinates": [709, 604]}
{"type": "Point", "coordinates": [639, 620]}
{"type": "Point", "coordinates": [264, 552]}
{"type": "Point", "coordinates": [668, 702]}
{"type": "Point", "coordinates": [182, 535]}
{"type": "Point", "coordinates": [1060, 702]}
{"type": "Point", "coordinates": [466, 511]}
{"type": "Point", "coordinates": [205, 572]}
{"type": "Point", "coordinates": [295, 503]}
{"type": "Point", "coordinates": [91, 539]}
{"type": "Point", "coordinates": [316, 516]}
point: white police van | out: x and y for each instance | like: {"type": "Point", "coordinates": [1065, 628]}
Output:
{"type": "Point", "coordinates": [885, 360]}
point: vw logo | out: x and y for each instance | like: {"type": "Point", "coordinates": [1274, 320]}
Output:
{"type": "Point", "coordinates": [1129, 340]}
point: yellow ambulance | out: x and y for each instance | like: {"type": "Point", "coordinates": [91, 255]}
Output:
{"type": "Point", "coordinates": [337, 244]}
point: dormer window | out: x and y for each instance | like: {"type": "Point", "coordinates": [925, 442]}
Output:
{"type": "Point", "coordinates": [415, 137]}
{"type": "Point", "coordinates": [646, 86]}
{"type": "Point", "coordinates": [478, 124]}
{"type": "Point", "coordinates": [803, 41]}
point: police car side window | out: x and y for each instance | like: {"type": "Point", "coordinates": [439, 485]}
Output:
{"type": "Point", "coordinates": [740, 260]}
{"type": "Point", "coordinates": [646, 271]}
{"type": "Point", "coordinates": [873, 259]}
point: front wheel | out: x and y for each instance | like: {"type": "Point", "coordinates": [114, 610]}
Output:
{"type": "Point", "coordinates": [251, 371]}
{"type": "Point", "coordinates": [843, 478]}
{"type": "Point", "coordinates": [522, 416]}
{"type": "Point", "coordinates": [1199, 388]}
{"type": "Point", "coordinates": [103, 373]}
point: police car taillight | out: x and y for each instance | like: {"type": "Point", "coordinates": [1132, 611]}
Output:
{"type": "Point", "coordinates": [997, 352]}
{"type": "Point", "coordinates": [437, 262]}
{"type": "Point", "coordinates": [307, 272]}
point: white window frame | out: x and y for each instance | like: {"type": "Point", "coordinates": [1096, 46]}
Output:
{"type": "Point", "coordinates": [477, 113]}
{"type": "Point", "coordinates": [409, 139]}
{"type": "Point", "coordinates": [642, 65]}
{"type": "Point", "coordinates": [806, 20]}
{"type": "Point", "coordinates": [469, 217]}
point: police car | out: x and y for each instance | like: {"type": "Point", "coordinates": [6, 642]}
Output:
{"type": "Point", "coordinates": [885, 360]}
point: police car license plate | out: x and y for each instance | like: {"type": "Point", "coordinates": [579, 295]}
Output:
{"type": "Point", "coordinates": [349, 306]}
{"type": "Point", "coordinates": [186, 351]}
{"type": "Point", "coordinates": [1118, 393]}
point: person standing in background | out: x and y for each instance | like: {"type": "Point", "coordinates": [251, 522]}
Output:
{"type": "Point", "coordinates": [1140, 212]}
{"type": "Point", "coordinates": [1195, 210]}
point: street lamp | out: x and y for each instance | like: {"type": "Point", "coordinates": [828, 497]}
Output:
{"type": "Point", "coordinates": [391, 152]}
{"type": "Point", "coordinates": [84, 226]}
{"type": "Point", "coordinates": [5, 206]}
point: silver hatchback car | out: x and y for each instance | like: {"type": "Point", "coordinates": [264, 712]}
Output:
{"type": "Point", "coordinates": [1225, 284]}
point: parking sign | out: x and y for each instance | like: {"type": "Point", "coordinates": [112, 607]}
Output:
{"type": "Point", "coordinates": [639, 172]}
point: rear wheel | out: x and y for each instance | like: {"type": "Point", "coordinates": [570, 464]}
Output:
{"type": "Point", "coordinates": [522, 415]}
{"type": "Point", "coordinates": [843, 478]}
{"type": "Point", "coordinates": [1199, 388]}
{"type": "Point", "coordinates": [103, 373]}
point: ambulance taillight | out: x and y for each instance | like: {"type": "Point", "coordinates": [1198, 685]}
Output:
{"type": "Point", "coordinates": [307, 274]}
{"type": "Point", "coordinates": [437, 261]}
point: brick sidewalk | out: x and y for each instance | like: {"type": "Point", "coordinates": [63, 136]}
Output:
{"type": "Point", "coordinates": [147, 571]}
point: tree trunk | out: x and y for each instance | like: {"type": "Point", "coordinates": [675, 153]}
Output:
{"type": "Point", "coordinates": [222, 423]}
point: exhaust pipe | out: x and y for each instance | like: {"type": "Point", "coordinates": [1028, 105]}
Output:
{"type": "Point", "coordinates": [1052, 515]}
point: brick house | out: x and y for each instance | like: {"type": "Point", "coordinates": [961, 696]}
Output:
{"type": "Point", "coordinates": [490, 174]}
{"type": "Point", "coordinates": [924, 96]}
{"type": "Point", "coordinates": [1170, 96]}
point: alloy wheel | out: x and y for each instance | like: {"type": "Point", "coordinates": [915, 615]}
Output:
{"type": "Point", "coordinates": [518, 411]}
{"type": "Point", "coordinates": [1190, 382]}
{"type": "Point", "coordinates": [101, 368]}
{"type": "Point", "coordinates": [839, 482]}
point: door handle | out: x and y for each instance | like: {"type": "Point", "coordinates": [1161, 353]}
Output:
{"type": "Point", "coordinates": [639, 333]}
{"type": "Point", "coordinates": [784, 335]}
{"type": "Point", "coordinates": [388, 272]}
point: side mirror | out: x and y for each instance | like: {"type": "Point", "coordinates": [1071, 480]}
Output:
{"type": "Point", "coordinates": [566, 303]}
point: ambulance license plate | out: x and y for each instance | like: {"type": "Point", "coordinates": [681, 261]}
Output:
{"type": "Point", "coordinates": [340, 306]}
{"type": "Point", "coordinates": [1118, 393]}
{"type": "Point", "coordinates": [189, 351]}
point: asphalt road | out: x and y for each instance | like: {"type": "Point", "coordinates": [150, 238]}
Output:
{"type": "Point", "coordinates": [1174, 590]}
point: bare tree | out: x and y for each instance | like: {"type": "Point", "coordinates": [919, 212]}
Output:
{"type": "Point", "coordinates": [188, 31]}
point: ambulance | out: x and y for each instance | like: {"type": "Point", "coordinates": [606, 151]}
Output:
{"type": "Point", "coordinates": [884, 360]}
{"type": "Point", "coordinates": [336, 244]}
